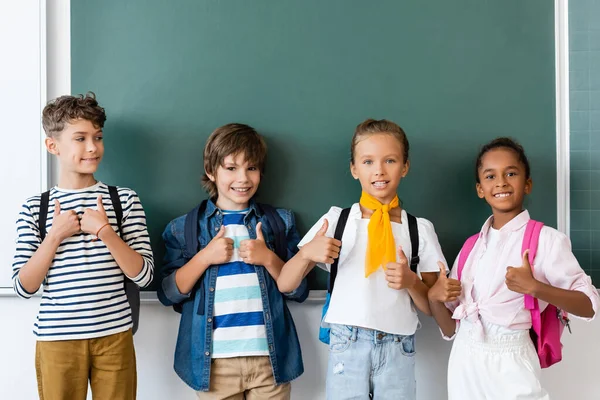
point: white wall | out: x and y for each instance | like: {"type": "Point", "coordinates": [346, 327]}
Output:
{"type": "Point", "coordinates": [576, 377]}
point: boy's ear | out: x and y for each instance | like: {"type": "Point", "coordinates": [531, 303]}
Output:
{"type": "Point", "coordinates": [479, 190]}
{"type": "Point", "coordinates": [51, 145]}
{"type": "Point", "coordinates": [210, 176]}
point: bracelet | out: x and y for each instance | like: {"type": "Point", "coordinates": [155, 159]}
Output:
{"type": "Point", "coordinates": [102, 227]}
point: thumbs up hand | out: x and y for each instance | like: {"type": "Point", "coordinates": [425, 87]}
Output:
{"type": "Point", "coordinates": [445, 289]}
{"type": "Point", "coordinates": [255, 251]}
{"type": "Point", "coordinates": [520, 279]}
{"type": "Point", "coordinates": [321, 249]}
{"type": "Point", "coordinates": [219, 250]}
{"type": "Point", "coordinates": [398, 274]}
{"type": "Point", "coordinates": [64, 225]}
{"type": "Point", "coordinates": [92, 221]}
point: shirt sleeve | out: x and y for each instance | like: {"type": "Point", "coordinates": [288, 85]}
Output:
{"type": "Point", "coordinates": [332, 217]}
{"type": "Point", "coordinates": [27, 242]}
{"type": "Point", "coordinates": [135, 234]}
{"type": "Point", "coordinates": [562, 270]}
{"type": "Point", "coordinates": [430, 251]}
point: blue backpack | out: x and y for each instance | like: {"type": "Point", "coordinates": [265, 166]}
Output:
{"type": "Point", "coordinates": [192, 246]}
{"type": "Point", "coordinates": [339, 232]}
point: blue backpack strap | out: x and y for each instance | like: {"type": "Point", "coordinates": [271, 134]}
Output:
{"type": "Point", "coordinates": [278, 227]}
{"type": "Point", "coordinates": [413, 232]}
{"type": "Point", "coordinates": [192, 246]}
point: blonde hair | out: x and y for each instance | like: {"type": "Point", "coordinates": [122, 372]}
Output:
{"type": "Point", "coordinates": [373, 126]}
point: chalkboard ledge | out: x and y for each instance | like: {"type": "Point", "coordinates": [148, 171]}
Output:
{"type": "Point", "coordinates": [315, 296]}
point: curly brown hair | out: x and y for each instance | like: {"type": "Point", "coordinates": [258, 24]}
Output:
{"type": "Point", "coordinates": [64, 109]}
{"type": "Point", "coordinates": [232, 139]}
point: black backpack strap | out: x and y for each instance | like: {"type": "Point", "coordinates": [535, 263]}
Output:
{"type": "Point", "coordinates": [278, 227]}
{"type": "Point", "coordinates": [43, 216]}
{"type": "Point", "coordinates": [116, 203]}
{"type": "Point", "coordinates": [339, 231]}
{"type": "Point", "coordinates": [413, 232]}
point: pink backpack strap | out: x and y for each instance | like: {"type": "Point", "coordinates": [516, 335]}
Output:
{"type": "Point", "coordinates": [530, 241]}
{"type": "Point", "coordinates": [464, 253]}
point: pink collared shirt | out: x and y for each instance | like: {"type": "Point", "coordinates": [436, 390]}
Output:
{"type": "Point", "coordinates": [485, 297]}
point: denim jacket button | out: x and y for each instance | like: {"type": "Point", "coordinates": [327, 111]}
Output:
{"type": "Point", "coordinates": [266, 316]}
{"type": "Point", "coordinates": [271, 348]}
{"type": "Point", "coordinates": [212, 289]}
{"type": "Point", "coordinates": [209, 320]}
{"type": "Point", "coordinates": [207, 354]}
{"type": "Point", "coordinates": [216, 228]}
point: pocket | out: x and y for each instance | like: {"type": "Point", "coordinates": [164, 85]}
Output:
{"type": "Point", "coordinates": [340, 338]}
{"type": "Point", "coordinates": [407, 345]}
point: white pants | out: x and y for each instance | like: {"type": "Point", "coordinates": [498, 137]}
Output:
{"type": "Point", "coordinates": [502, 366]}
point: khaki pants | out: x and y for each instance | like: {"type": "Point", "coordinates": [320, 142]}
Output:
{"type": "Point", "coordinates": [241, 378]}
{"type": "Point", "coordinates": [64, 368]}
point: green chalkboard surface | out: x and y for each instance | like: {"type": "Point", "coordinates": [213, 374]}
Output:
{"type": "Point", "coordinates": [453, 74]}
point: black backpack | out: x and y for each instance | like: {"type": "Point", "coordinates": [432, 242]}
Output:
{"type": "Point", "coordinates": [413, 233]}
{"type": "Point", "coordinates": [132, 290]}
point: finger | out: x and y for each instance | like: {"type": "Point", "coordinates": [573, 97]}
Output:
{"type": "Point", "coordinates": [443, 273]}
{"type": "Point", "coordinates": [324, 228]}
{"type": "Point", "coordinates": [526, 259]}
{"type": "Point", "coordinates": [100, 205]}
{"type": "Point", "coordinates": [259, 234]}
{"type": "Point", "coordinates": [230, 241]}
{"type": "Point", "coordinates": [221, 232]}
{"type": "Point", "coordinates": [56, 207]}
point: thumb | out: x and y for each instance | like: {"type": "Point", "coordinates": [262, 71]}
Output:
{"type": "Point", "coordinates": [324, 228]}
{"type": "Point", "coordinates": [442, 270]}
{"type": "Point", "coordinates": [100, 205]}
{"type": "Point", "coordinates": [56, 207]}
{"type": "Point", "coordinates": [221, 233]}
{"type": "Point", "coordinates": [401, 254]}
{"type": "Point", "coordinates": [259, 234]}
{"type": "Point", "coordinates": [526, 259]}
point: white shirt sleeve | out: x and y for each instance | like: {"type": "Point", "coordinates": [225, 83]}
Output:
{"type": "Point", "coordinates": [430, 251]}
{"type": "Point", "coordinates": [332, 217]}
{"type": "Point", "coordinates": [560, 267]}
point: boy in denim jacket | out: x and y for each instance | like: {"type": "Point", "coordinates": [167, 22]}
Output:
{"type": "Point", "coordinates": [236, 334]}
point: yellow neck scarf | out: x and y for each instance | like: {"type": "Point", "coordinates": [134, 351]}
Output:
{"type": "Point", "coordinates": [381, 248]}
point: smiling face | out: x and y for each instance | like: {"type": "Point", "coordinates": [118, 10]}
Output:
{"type": "Point", "coordinates": [503, 182]}
{"type": "Point", "coordinates": [79, 149]}
{"type": "Point", "coordinates": [237, 181]}
{"type": "Point", "coordinates": [379, 165]}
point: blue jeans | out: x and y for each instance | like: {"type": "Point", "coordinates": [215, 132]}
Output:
{"type": "Point", "coordinates": [365, 363]}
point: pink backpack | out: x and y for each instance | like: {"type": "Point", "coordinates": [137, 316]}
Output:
{"type": "Point", "coordinates": [548, 326]}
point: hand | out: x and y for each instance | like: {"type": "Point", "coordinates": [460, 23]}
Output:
{"type": "Point", "coordinates": [520, 279]}
{"type": "Point", "coordinates": [398, 274]}
{"type": "Point", "coordinates": [321, 249]}
{"type": "Point", "coordinates": [445, 289]}
{"type": "Point", "coordinates": [64, 225]}
{"type": "Point", "coordinates": [93, 220]}
{"type": "Point", "coordinates": [255, 251]}
{"type": "Point", "coordinates": [219, 250]}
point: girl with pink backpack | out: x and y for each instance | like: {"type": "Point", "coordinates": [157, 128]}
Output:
{"type": "Point", "coordinates": [512, 285]}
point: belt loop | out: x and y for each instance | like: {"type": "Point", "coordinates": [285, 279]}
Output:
{"type": "Point", "coordinates": [354, 333]}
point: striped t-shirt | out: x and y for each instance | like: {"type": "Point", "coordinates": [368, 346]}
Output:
{"type": "Point", "coordinates": [83, 293]}
{"type": "Point", "coordinates": [239, 325]}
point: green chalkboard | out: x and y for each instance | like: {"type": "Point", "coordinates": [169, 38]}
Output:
{"type": "Point", "coordinates": [453, 74]}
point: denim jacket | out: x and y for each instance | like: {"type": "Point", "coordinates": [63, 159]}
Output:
{"type": "Point", "coordinates": [194, 341]}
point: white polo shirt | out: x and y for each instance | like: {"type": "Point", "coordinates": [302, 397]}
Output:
{"type": "Point", "coordinates": [369, 302]}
